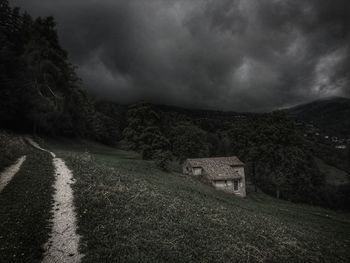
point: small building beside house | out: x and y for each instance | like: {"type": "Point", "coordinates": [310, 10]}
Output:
{"type": "Point", "coordinates": [224, 173]}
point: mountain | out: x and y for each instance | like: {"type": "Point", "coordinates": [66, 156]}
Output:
{"type": "Point", "coordinates": [329, 115]}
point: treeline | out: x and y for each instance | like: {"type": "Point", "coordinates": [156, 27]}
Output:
{"type": "Point", "coordinates": [278, 159]}
{"type": "Point", "coordinates": [40, 91]}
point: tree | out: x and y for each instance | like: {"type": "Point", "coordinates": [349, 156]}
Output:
{"type": "Point", "coordinates": [162, 158]}
{"type": "Point", "coordinates": [40, 91]}
{"type": "Point", "coordinates": [189, 141]}
{"type": "Point", "coordinates": [144, 134]}
{"type": "Point", "coordinates": [276, 158]}
{"type": "Point", "coordinates": [252, 159]}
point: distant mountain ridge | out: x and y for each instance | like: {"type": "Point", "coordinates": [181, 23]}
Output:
{"type": "Point", "coordinates": [331, 115]}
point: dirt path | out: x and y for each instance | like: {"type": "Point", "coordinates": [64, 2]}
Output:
{"type": "Point", "coordinates": [10, 172]}
{"type": "Point", "coordinates": [35, 145]}
{"type": "Point", "coordinates": [64, 241]}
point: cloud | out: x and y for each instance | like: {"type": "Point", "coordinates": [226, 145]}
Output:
{"type": "Point", "coordinates": [242, 55]}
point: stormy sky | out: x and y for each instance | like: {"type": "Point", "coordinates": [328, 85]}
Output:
{"type": "Point", "coordinates": [244, 55]}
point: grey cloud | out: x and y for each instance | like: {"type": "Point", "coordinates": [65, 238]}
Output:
{"type": "Point", "coordinates": [222, 54]}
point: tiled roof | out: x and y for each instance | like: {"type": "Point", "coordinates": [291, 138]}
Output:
{"type": "Point", "coordinates": [218, 168]}
{"type": "Point", "coordinates": [231, 160]}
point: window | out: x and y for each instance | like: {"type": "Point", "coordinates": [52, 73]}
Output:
{"type": "Point", "coordinates": [235, 185]}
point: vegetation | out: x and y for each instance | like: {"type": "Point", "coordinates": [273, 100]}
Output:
{"type": "Point", "coordinates": [277, 157]}
{"type": "Point", "coordinates": [25, 210]}
{"type": "Point", "coordinates": [188, 141]}
{"type": "Point", "coordinates": [333, 175]}
{"type": "Point", "coordinates": [42, 94]}
{"type": "Point", "coordinates": [332, 115]}
{"type": "Point", "coordinates": [279, 162]}
{"type": "Point", "coordinates": [131, 211]}
{"type": "Point", "coordinates": [144, 134]}
{"type": "Point", "coordinates": [40, 91]}
{"type": "Point", "coordinates": [11, 148]}
{"type": "Point", "coordinates": [336, 191]}
{"type": "Point", "coordinates": [331, 155]}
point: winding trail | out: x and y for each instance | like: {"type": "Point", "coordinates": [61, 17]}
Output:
{"type": "Point", "coordinates": [35, 145]}
{"type": "Point", "coordinates": [64, 241]}
{"type": "Point", "coordinates": [9, 173]}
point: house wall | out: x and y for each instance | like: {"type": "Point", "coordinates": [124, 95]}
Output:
{"type": "Point", "coordinates": [242, 185]}
{"type": "Point", "coordinates": [196, 171]}
{"type": "Point", "coordinates": [222, 185]}
{"type": "Point", "coordinates": [228, 186]}
{"type": "Point", "coordinates": [187, 169]}
{"type": "Point", "coordinates": [239, 169]}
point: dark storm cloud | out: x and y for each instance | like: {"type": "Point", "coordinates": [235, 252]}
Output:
{"type": "Point", "coordinates": [226, 54]}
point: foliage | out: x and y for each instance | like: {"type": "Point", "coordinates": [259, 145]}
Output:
{"type": "Point", "coordinates": [331, 115]}
{"type": "Point", "coordinates": [131, 211]}
{"type": "Point", "coordinates": [11, 148]}
{"type": "Point", "coordinates": [188, 141]}
{"type": "Point", "coordinates": [278, 159]}
{"type": "Point", "coordinates": [40, 91]}
{"type": "Point", "coordinates": [143, 133]}
{"type": "Point", "coordinates": [279, 162]}
{"type": "Point", "coordinates": [162, 159]}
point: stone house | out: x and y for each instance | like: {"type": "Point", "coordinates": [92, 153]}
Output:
{"type": "Point", "coordinates": [224, 173]}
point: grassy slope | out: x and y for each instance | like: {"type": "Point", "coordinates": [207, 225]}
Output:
{"type": "Point", "coordinates": [334, 176]}
{"type": "Point", "coordinates": [330, 155]}
{"type": "Point", "coordinates": [25, 206]}
{"type": "Point", "coordinates": [130, 211]}
{"type": "Point", "coordinates": [330, 115]}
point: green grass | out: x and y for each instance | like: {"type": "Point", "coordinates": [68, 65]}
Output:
{"type": "Point", "coordinates": [333, 175]}
{"type": "Point", "coordinates": [25, 206]}
{"type": "Point", "coordinates": [129, 211]}
{"type": "Point", "coordinates": [63, 146]}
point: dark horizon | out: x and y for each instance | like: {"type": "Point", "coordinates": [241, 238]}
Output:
{"type": "Point", "coordinates": [286, 107]}
{"type": "Point", "coordinates": [238, 56]}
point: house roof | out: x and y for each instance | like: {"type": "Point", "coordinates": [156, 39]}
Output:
{"type": "Point", "coordinates": [231, 161]}
{"type": "Point", "coordinates": [218, 168]}
{"type": "Point", "coordinates": [222, 172]}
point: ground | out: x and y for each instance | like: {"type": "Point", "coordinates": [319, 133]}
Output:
{"type": "Point", "coordinates": [130, 211]}
{"type": "Point", "coordinates": [333, 175]}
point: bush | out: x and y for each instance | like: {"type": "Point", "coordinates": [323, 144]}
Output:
{"type": "Point", "coordinates": [11, 148]}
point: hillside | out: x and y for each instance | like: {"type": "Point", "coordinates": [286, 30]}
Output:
{"type": "Point", "coordinates": [330, 115]}
{"type": "Point", "coordinates": [333, 175]}
{"type": "Point", "coordinates": [84, 179]}
{"type": "Point", "coordinates": [129, 210]}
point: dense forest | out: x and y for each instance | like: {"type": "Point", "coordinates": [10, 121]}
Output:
{"type": "Point", "coordinates": [277, 158]}
{"type": "Point", "coordinates": [42, 94]}
{"type": "Point", "coordinates": [40, 91]}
